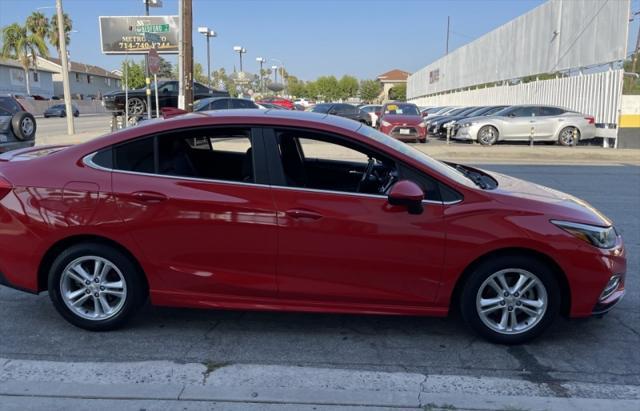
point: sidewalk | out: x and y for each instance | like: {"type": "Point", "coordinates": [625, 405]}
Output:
{"type": "Point", "coordinates": [27, 384]}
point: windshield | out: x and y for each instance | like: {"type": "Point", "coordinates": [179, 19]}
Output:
{"type": "Point", "coordinates": [503, 112]}
{"type": "Point", "coordinates": [402, 109]}
{"type": "Point", "coordinates": [417, 155]}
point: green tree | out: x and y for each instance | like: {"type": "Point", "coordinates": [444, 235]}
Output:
{"type": "Point", "coordinates": [348, 87]}
{"type": "Point", "coordinates": [398, 92]}
{"type": "Point", "coordinates": [20, 44]}
{"type": "Point", "coordinates": [53, 35]}
{"type": "Point", "coordinates": [631, 84]}
{"type": "Point", "coordinates": [199, 75]}
{"type": "Point", "coordinates": [38, 24]}
{"type": "Point", "coordinates": [134, 74]}
{"type": "Point", "coordinates": [296, 87]}
{"type": "Point", "coordinates": [311, 90]}
{"type": "Point", "coordinates": [166, 70]}
{"type": "Point", "coordinates": [370, 90]}
{"type": "Point", "coordinates": [327, 87]}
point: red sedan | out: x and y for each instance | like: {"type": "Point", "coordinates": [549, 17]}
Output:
{"type": "Point", "coordinates": [403, 121]}
{"type": "Point", "coordinates": [279, 101]}
{"type": "Point", "coordinates": [295, 211]}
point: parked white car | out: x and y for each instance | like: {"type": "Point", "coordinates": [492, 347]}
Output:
{"type": "Point", "coordinates": [303, 102]}
{"type": "Point", "coordinates": [520, 123]}
{"type": "Point", "coordinates": [372, 110]}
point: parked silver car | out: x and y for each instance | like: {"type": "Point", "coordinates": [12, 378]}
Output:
{"type": "Point", "coordinates": [519, 123]}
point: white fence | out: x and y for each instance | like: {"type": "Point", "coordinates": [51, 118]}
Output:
{"type": "Point", "coordinates": [597, 94]}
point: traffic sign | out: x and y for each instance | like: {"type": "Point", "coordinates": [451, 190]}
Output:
{"type": "Point", "coordinates": [154, 61]}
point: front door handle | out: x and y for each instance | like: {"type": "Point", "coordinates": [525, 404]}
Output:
{"type": "Point", "coordinates": [299, 213]}
{"type": "Point", "coordinates": [150, 197]}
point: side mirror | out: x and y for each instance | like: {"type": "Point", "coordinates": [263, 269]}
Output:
{"type": "Point", "coordinates": [407, 194]}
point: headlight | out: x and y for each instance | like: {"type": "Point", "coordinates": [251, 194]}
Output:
{"type": "Point", "coordinates": [468, 124]}
{"type": "Point", "coordinates": [385, 123]}
{"type": "Point", "coordinates": [423, 125]}
{"type": "Point", "coordinates": [601, 237]}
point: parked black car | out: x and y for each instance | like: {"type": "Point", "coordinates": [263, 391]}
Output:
{"type": "Point", "coordinates": [223, 103]}
{"type": "Point", "coordinates": [343, 110]}
{"type": "Point", "coordinates": [17, 126]}
{"type": "Point", "coordinates": [59, 110]}
{"type": "Point", "coordinates": [167, 97]}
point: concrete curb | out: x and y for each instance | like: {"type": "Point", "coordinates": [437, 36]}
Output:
{"type": "Point", "coordinates": [268, 384]}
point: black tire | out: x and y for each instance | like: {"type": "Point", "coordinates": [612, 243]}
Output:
{"type": "Point", "coordinates": [76, 114]}
{"type": "Point", "coordinates": [470, 295]}
{"type": "Point", "coordinates": [484, 135]}
{"type": "Point", "coordinates": [23, 125]}
{"type": "Point", "coordinates": [569, 136]}
{"type": "Point", "coordinates": [135, 292]}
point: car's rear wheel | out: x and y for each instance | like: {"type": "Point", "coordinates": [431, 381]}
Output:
{"type": "Point", "coordinates": [137, 106]}
{"type": "Point", "coordinates": [488, 135]}
{"type": "Point", "coordinates": [510, 299]}
{"type": "Point", "coordinates": [569, 136]}
{"type": "Point", "coordinates": [95, 286]}
{"type": "Point", "coordinates": [23, 125]}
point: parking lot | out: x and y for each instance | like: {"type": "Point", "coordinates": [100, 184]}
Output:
{"type": "Point", "coordinates": [602, 351]}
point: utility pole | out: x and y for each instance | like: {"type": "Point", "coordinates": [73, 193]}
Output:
{"type": "Point", "coordinates": [65, 69]}
{"type": "Point", "coordinates": [147, 74]}
{"type": "Point", "coordinates": [447, 45]}
{"type": "Point", "coordinates": [186, 21]}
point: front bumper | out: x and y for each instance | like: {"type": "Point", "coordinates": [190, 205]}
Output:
{"type": "Point", "coordinates": [414, 132]}
{"type": "Point", "coordinates": [604, 305]}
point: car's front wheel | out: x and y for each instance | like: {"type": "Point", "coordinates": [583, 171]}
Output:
{"type": "Point", "coordinates": [137, 106]}
{"type": "Point", "coordinates": [487, 135]}
{"type": "Point", "coordinates": [95, 286]}
{"type": "Point", "coordinates": [510, 299]}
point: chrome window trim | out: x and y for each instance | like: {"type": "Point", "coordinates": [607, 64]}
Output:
{"type": "Point", "coordinates": [88, 161]}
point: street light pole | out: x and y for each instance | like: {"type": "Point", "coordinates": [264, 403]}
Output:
{"type": "Point", "coordinates": [240, 50]}
{"type": "Point", "coordinates": [208, 34]}
{"type": "Point", "coordinates": [261, 60]}
{"type": "Point", "coordinates": [65, 68]}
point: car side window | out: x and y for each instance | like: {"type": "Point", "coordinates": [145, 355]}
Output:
{"type": "Point", "coordinates": [136, 156]}
{"type": "Point", "coordinates": [325, 162]}
{"type": "Point", "coordinates": [551, 111]}
{"type": "Point", "coordinates": [523, 112]}
{"type": "Point", "coordinates": [200, 89]}
{"type": "Point", "coordinates": [221, 104]}
{"type": "Point", "coordinates": [241, 103]}
{"type": "Point", "coordinates": [213, 153]}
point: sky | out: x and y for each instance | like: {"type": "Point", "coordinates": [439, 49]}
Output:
{"type": "Point", "coordinates": [363, 38]}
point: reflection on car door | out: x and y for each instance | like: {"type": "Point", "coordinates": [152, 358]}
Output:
{"type": "Point", "coordinates": [518, 124]}
{"type": "Point", "coordinates": [547, 121]}
{"type": "Point", "coordinates": [201, 215]}
{"type": "Point", "coordinates": [347, 247]}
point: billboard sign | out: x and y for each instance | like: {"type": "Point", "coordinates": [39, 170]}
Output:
{"type": "Point", "coordinates": [139, 34]}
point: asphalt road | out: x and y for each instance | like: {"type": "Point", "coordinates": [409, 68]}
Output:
{"type": "Point", "coordinates": [601, 351]}
{"type": "Point", "coordinates": [54, 129]}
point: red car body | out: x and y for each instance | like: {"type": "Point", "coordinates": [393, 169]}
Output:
{"type": "Point", "coordinates": [405, 126]}
{"type": "Point", "coordinates": [259, 246]}
{"type": "Point", "coordinates": [280, 101]}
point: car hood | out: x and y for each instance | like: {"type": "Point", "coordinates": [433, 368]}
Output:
{"type": "Point", "coordinates": [398, 118]}
{"type": "Point", "coordinates": [525, 195]}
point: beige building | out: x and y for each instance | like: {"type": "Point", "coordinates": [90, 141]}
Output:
{"type": "Point", "coordinates": [85, 80]}
{"type": "Point", "coordinates": [389, 80]}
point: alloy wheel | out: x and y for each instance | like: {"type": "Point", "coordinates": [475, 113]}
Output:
{"type": "Point", "coordinates": [511, 301]}
{"type": "Point", "coordinates": [487, 135]}
{"type": "Point", "coordinates": [567, 136]}
{"type": "Point", "coordinates": [26, 126]}
{"type": "Point", "coordinates": [93, 288]}
{"type": "Point", "coordinates": [136, 106]}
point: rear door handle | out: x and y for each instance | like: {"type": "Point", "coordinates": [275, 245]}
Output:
{"type": "Point", "coordinates": [299, 213]}
{"type": "Point", "coordinates": [150, 197]}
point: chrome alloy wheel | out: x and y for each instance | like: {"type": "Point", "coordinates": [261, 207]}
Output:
{"type": "Point", "coordinates": [568, 136]}
{"type": "Point", "coordinates": [136, 106]}
{"type": "Point", "coordinates": [26, 125]}
{"type": "Point", "coordinates": [511, 301]}
{"type": "Point", "coordinates": [93, 288]}
{"type": "Point", "coordinates": [487, 135]}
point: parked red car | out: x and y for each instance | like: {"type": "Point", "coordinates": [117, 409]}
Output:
{"type": "Point", "coordinates": [282, 102]}
{"type": "Point", "coordinates": [250, 210]}
{"type": "Point", "coordinates": [403, 121]}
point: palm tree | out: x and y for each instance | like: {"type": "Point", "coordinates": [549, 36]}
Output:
{"type": "Point", "coordinates": [53, 35]}
{"type": "Point", "coordinates": [25, 47]}
{"type": "Point", "coordinates": [38, 24]}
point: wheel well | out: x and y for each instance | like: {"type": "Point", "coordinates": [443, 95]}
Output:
{"type": "Point", "coordinates": [57, 248]}
{"type": "Point", "coordinates": [565, 292]}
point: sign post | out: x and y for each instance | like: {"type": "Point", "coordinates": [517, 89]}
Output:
{"type": "Point", "coordinates": [154, 66]}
